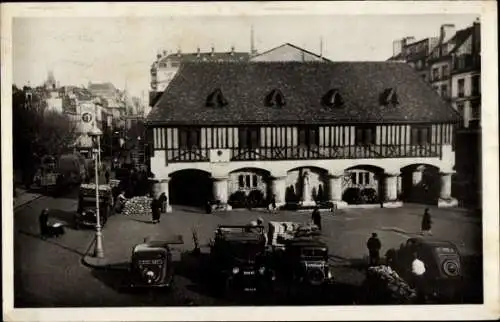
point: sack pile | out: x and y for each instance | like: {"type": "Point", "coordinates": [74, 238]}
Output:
{"type": "Point", "coordinates": [397, 286]}
{"type": "Point", "coordinates": [138, 206]}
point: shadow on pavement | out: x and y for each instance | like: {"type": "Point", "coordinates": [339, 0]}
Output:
{"type": "Point", "coordinates": [51, 241]}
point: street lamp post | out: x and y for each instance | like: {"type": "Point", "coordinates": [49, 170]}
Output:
{"type": "Point", "coordinates": [98, 251]}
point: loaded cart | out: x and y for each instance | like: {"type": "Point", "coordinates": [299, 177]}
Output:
{"type": "Point", "coordinates": [384, 286]}
{"type": "Point", "coordinates": [86, 215]}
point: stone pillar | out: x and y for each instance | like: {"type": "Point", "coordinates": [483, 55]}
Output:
{"type": "Point", "coordinates": [445, 192]}
{"type": "Point", "coordinates": [335, 190]}
{"type": "Point", "coordinates": [220, 188]}
{"type": "Point", "coordinates": [391, 187]}
{"type": "Point", "coordinates": [445, 198]}
{"type": "Point", "coordinates": [278, 189]}
{"type": "Point", "coordinates": [163, 188]}
{"type": "Point", "coordinates": [400, 185]}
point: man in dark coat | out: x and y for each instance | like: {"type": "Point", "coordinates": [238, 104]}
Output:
{"type": "Point", "coordinates": [107, 175]}
{"type": "Point", "coordinates": [43, 222]}
{"type": "Point", "coordinates": [426, 222]}
{"type": "Point", "coordinates": [163, 202]}
{"type": "Point", "coordinates": [156, 210]}
{"type": "Point", "coordinates": [374, 245]}
{"type": "Point", "coordinates": [316, 217]}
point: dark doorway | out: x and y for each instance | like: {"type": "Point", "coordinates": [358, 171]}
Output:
{"type": "Point", "coordinates": [426, 190]}
{"type": "Point", "coordinates": [190, 187]}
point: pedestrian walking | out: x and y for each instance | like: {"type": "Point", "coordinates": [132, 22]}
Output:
{"type": "Point", "coordinates": [374, 245]}
{"type": "Point", "coordinates": [426, 223]}
{"type": "Point", "coordinates": [106, 175]}
{"type": "Point", "coordinates": [418, 281]}
{"type": "Point", "coordinates": [163, 202]}
{"type": "Point", "coordinates": [43, 220]}
{"type": "Point", "coordinates": [156, 210]}
{"type": "Point", "coordinates": [272, 204]}
{"type": "Point", "coordinates": [316, 217]}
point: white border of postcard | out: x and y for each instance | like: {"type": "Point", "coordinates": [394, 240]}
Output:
{"type": "Point", "coordinates": [487, 11]}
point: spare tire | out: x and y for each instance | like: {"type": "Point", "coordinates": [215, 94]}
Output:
{"type": "Point", "coordinates": [316, 276]}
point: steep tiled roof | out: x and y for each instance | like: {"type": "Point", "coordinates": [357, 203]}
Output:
{"type": "Point", "coordinates": [460, 37]}
{"type": "Point", "coordinates": [303, 85]}
{"type": "Point", "coordinates": [101, 87]}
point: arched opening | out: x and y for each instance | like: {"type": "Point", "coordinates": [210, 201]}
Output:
{"type": "Point", "coordinates": [420, 183]}
{"type": "Point", "coordinates": [306, 185]}
{"type": "Point", "coordinates": [249, 186]}
{"type": "Point", "coordinates": [190, 187]}
{"type": "Point", "coordinates": [363, 184]}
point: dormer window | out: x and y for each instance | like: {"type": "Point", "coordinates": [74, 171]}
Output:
{"type": "Point", "coordinates": [275, 99]}
{"type": "Point", "coordinates": [389, 97]}
{"type": "Point", "coordinates": [332, 99]}
{"type": "Point", "coordinates": [216, 99]}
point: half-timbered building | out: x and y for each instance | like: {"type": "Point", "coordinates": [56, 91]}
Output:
{"type": "Point", "coordinates": [304, 132]}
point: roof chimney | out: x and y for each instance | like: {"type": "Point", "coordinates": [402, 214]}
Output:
{"type": "Point", "coordinates": [232, 50]}
{"type": "Point", "coordinates": [397, 47]}
{"type": "Point", "coordinates": [164, 52]}
{"type": "Point", "coordinates": [446, 33]}
{"type": "Point", "coordinates": [213, 51]}
{"type": "Point", "coordinates": [321, 47]}
{"type": "Point", "coordinates": [198, 51]}
{"type": "Point", "coordinates": [179, 52]}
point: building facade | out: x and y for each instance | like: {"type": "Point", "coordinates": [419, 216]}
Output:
{"type": "Point", "coordinates": [452, 64]}
{"type": "Point", "coordinates": [303, 132]}
{"type": "Point", "coordinates": [166, 66]}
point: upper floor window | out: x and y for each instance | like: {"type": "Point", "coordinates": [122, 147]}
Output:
{"type": "Point", "coordinates": [189, 138]}
{"type": "Point", "coordinates": [475, 109]}
{"type": "Point", "coordinates": [476, 85]}
{"type": "Point", "coordinates": [444, 70]}
{"type": "Point", "coordinates": [332, 98]}
{"type": "Point", "coordinates": [419, 64]}
{"type": "Point", "coordinates": [308, 135]}
{"type": "Point", "coordinates": [461, 87]}
{"type": "Point", "coordinates": [275, 99]}
{"type": "Point", "coordinates": [365, 135]}
{"type": "Point", "coordinates": [249, 137]}
{"type": "Point", "coordinates": [460, 108]}
{"type": "Point", "coordinates": [420, 135]}
{"type": "Point", "coordinates": [435, 73]}
{"type": "Point", "coordinates": [216, 99]}
{"type": "Point", "coordinates": [444, 90]}
{"type": "Point", "coordinates": [175, 64]}
{"type": "Point", "coordinates": [389, 96]}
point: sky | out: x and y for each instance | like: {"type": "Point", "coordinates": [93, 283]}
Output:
{"type": "Point", "coordinates": [121, 50]}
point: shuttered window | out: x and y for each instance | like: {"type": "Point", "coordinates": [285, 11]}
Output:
{"type": "Point", "coordinates": [365, 135]}
{"type": "Point", "coordinates": [249, 137]}
{"type": "Point", "coordinates": [420, 135]}
{"type": "Point", "coordinates": [189, 138]}
{"type": "Point", "coordinates": [308, 135]}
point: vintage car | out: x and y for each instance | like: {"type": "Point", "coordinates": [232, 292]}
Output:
{"type": "Point", "coordinates": [238, 259]}
{"type": "Point", "coordinates": [299, 256]}
{"type": "Point", "coordinates": [442, 260]}
{"type": "Point", "coordinates": [86, 214]}
{"type": "Point", "coordinates": [151, 264]}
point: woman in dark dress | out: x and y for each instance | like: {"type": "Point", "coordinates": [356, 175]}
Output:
{"type": "Point", "coordinates": [43, 222]}
{"type": "Point", "coordinates": [316, 217]}
{"type": "Point", "coordinates": [426, 222]}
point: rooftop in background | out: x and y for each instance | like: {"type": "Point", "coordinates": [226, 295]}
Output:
{"type": "Point", "coordinates": [245, 86]}
{"type": "Point", "coordinates": [288, 52]}
{"type": "Point", "coordinates": [211, 56]}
